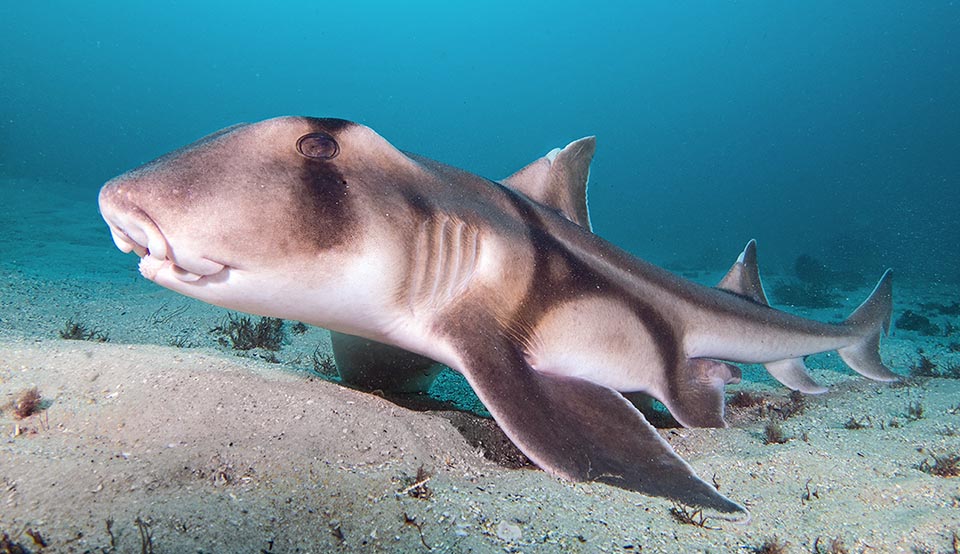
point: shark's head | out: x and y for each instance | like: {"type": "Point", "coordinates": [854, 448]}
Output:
{"type": "Point", "coordinates": [275, 218]}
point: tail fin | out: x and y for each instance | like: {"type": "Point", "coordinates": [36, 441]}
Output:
{"type": "Point", "coordinates": [873, 318]}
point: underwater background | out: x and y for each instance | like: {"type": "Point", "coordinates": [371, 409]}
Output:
{"type": "Point", "coordinates": [825, 129]}
{"type": "Point", "coordinates": [828, 131]}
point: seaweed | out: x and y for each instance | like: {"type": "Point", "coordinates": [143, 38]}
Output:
{"type": "Point", "coordinates": [744, 399]}
{"type": "Point", "coordinates": [417, 487]}
{"type": "Point", "coordinates": [241, 333]}
{"type": "Point", "coordinates": [771, 546]}
{"type": "Point", "coordinates": [945, 465]}
{"type": "Point", "coordinates": [924, 367]}
{"type": "Point", "coordinates": [412, 521]}
{"type": "Point", "coordinates": [324, 363]}
{"type": "Point", "coordinates": [784, 409]}
{"type": "Point", "coordinates": [298, 328]}
{"type": "Point", "coordinates": [27, 403]}
{"type": "Point", "coordinates": [795, 405]}
{"type": "Point", "coordinates": [836, 547]}
{"type": "Point", "coordinates": [183, 340]}
{"type": "Point", "coordinates": [75, 330]}
{"type": "Point", "coordinates": [7, 546]}
{"type": "Point", "coordinates": [146, 536]}
{"type": "Point", "coordinates": [37, 537]}
{"type": "Point", "coordinates": [809, 495]}
{"type": "Point", "coordinates": [855, 424]}
{"type": "Point", "coordinates": [163, 315]}
{"type": "Point", "coordinates": [688, 516]}
{"type": "Point", "coordinates": [915, 411]}
{"type": "Point", "coordinates": [773, 434]}
{"type": "Point", "coordinates": [113, 538]}
{"type": "Point", "coordinates": [337, 531]}
{"type": "Point", "coordinates": [912, 321]}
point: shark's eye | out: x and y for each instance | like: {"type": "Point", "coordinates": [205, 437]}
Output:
{"type": "Point", "coordinates": [319, 146]}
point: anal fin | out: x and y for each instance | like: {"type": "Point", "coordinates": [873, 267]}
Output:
{"type": "Point", "coordinates": [581, 431]}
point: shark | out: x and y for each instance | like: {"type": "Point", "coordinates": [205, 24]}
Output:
{"type": "Point", "coordinates": [413, 263]}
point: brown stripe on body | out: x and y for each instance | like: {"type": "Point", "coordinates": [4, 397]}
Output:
{"type": "Point", "coordinates": [560, 277]}
{"type": "Point", "coordinates": [327, 217]}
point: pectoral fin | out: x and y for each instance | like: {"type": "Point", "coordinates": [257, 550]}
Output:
{"type": "Point", "coordinates": [582, 431]}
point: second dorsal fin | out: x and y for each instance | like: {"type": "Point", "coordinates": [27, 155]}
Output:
{"type": "Point", "coordinates": [744, 277]}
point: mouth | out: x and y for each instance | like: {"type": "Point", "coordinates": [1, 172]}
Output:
{"type": "Point", "coordinates": [138, 233]}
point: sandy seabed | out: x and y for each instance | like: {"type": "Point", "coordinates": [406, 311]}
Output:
{"type": "Point", "coordinates": [192, 448]}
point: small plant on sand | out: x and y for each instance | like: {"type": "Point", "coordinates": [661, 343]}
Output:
{"type": "Point", "coordinates": [915, 411]}
{"type": "Point", "coordinates": [75, 330]}
{"type": "Point", "coordinates": [146, 535]}
{"type": "Point", "coordinates": [855, 424]}
{"type": "Point", "coordinates": [183, 340]}
{"type": "Point", "coordinates": [795, 405]}
{"type": "Point", "coordinates": [924, 366]}
{"type": "Point", "coordinates": [26, 404]}
{"type": "Point", "coordinates": [417, 486]}
{"type": "Point", "coordinates": [773, 434]}
{"type": "Point", "coordinates": [241, 333]}
{"type": "Point", "coordinates": [836, 547]}
{"type": "Point", "coordinates": [689, 516]}
{"type": "Point", "coordinates": [299, 328]}
{"type": "Point", "coordinates": [8, 546]}
{"type": "Point", "coordinates": [771, 546]}
{"type": "Point", "coordinates": [946, 465]}
{"type": "Point", "coordinates": [809, 495]}
{"type": "Point", "coordinates": [324, 364]}
{"type": "Point", "coordinates": [745, 399]}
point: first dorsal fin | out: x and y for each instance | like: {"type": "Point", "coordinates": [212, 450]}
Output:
{"type": "Point", "coordinates": [744, 277]}
{"type": "Point", "coordinates": [559, 180]}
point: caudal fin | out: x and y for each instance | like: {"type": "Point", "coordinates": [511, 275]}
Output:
{"type": "Point", "coordinates": [873, 318]}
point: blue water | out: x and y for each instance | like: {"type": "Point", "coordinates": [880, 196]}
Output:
{"type": "Point", "coordinates": [822, 128]}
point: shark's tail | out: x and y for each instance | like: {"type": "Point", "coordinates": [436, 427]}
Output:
{"type": "Point", "coordinates": [867, 323]}
{"type": "Point", "coordinates": [872, 318]}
